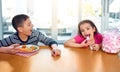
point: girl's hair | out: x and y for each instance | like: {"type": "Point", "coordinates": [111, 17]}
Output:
{"type": "Point", "coordinates": [91, 24]}
{"type": "Point", "coordinates": [18, 20]}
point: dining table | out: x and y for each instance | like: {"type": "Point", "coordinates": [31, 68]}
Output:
{"type": "Point", "coordinates": [71, 60]}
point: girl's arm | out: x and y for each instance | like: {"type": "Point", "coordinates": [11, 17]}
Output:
{"type": "Point", "coordinates": [96, 46]}
{"type": "Point", "coordinates": [72, 43]}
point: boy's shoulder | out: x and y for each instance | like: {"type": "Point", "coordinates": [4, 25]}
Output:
{"type": "Point", "coordinates": [36, 33]}
{"type": "Point", "coordinates": [12, 36]}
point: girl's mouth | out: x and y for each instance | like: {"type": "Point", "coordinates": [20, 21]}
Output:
{"type": "Point", "coordinates": [87, 37]}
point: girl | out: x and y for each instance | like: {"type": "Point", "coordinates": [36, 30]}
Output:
{"type": "Point", "coordinates": [88, 35]}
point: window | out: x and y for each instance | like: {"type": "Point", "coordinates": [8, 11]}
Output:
{"type": "Point", "coordinates": [59, 18]}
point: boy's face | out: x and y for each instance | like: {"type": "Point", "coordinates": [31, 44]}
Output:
{"type": "Point", "coordinates": [87, 30]}
{"type": "Point", "coordinates": [27, 27]}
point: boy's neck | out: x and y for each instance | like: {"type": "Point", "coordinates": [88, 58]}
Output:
{"type": "Point", "coordinates": [23, 37]}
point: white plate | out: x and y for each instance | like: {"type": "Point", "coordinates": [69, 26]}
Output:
{"type": "Point", "coordinates": [29, 49]}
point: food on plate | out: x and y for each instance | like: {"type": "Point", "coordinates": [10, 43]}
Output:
{"type": "Point", "coordinates": [24, 46]}
{"type": "Point", "coordinates": [28, 48]}
{"type": "Point", "coordinates": [32, 47]}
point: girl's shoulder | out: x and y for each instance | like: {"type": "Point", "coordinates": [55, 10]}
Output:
{"type": "Point", "coordinates": [78, 36]}
{"type": "Point", "coordinates": [98, 35]}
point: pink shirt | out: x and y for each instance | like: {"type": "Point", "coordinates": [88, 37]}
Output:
{"type": "Point", "coordinates": [98, 38]}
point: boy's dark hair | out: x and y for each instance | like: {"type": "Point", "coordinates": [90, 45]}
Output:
{"type": "Point", "coordinates": [91, 24]}
{"type": "Point", "coordinates": [18, 20]}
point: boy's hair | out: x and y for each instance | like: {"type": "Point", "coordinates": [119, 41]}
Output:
{"type": "Point", "coordinates": [18, 20]}
{"type": "Point", "coordinates": [91, 24]}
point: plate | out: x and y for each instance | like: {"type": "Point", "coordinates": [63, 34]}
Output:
{"type": "Point", "coordinates": [28, 48]}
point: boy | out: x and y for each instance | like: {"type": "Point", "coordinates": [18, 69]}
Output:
{"type": "Point", "coordinates": [25, 35]}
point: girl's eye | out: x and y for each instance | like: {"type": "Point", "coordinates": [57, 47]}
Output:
{"type": "Point", "coordinates": [88, 28]}
{"type": "Point", "coordinates": [82, 30]}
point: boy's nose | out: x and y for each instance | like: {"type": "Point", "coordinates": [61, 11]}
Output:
{"type": "Point", "coordinates": [32, 25]}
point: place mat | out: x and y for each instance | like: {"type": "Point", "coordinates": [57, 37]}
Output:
{"type": "Point", "coordinates": [27, 54]}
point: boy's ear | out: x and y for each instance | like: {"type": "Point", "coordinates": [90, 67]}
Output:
{"type": "Point", "coordinates": [20, 29]}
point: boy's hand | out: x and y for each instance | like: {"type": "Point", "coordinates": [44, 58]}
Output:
{"type": "Point", "coordinates": [12, 49]}
{"type": "Point", "coordinates": [56, 52]}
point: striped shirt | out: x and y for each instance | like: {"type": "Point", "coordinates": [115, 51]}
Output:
{"type": "Point", "coordinates": [35, 37]}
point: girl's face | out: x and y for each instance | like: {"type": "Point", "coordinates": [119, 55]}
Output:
{"type": "Point", "coordinates": [86, 29]}
{"type": "Point", "coordinates": [27, 27]}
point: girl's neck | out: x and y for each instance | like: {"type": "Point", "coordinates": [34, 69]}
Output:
{"type": "Point", "coordinates": [23, 37]}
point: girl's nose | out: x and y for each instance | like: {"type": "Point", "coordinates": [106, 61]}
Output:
{"type": "Point", "coordinates": [86, 32]}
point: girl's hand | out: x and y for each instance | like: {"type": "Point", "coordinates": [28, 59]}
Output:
{"type": "Point", "coordinates": [12, 49]}
{"type": "Point", "coordinates": [91, 40]}
{"type": "Point", "coordinates": [84, 43]}
{"type": "Point", "coordinates": [91, 35]}
{"type": "Point", "coordinates": [95, 47]}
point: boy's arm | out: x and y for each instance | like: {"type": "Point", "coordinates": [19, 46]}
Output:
{"type": "Point", "coordinates": [12, 49]}
{"type": "Point", "coordinates": [6, 41]}
{"type": "Point", "coordinates": [54, 46]}
{"type": "Point", "coordinates": [4, 49]}
{"type": "Point", "coordinates": [55, 50]}
{"type": "Point", "coordinates": [51, 42]}
{"type": "Point", "coordinates": [46, 40]}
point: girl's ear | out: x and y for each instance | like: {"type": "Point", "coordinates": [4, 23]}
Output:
{"type": "Point", "coordinates": [94, 29]}
{"type": "Point", "coordinates": [19, 29]}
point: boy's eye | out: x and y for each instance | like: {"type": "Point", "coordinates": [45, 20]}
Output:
{"type": "Point", "coordinates": [29, 24]}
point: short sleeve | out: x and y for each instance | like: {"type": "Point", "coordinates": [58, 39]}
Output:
{"type": "Point", "coordinates": [79, 38]}
{"type": "Point", "coordinates": [98, 38]}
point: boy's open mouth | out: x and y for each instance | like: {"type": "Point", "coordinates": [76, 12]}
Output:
{"type": "Point", "coordinates": [31, 30]}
